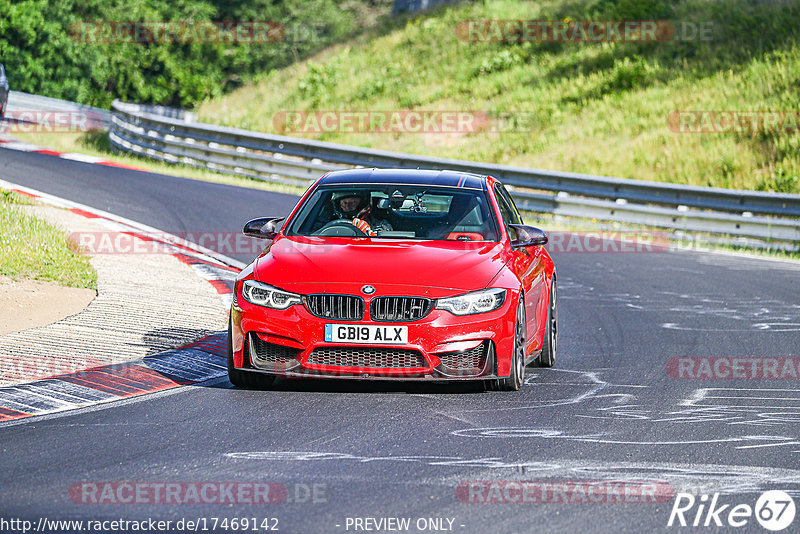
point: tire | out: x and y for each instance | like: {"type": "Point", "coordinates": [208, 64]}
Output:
{"type": "Point", "coordinates": [243, 379]}
{"type": "Point", "coordinates": [548, 356]}
{"type": "Point", "coordinates": [517, 377]}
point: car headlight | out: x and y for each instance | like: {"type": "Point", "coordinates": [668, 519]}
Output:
{"type": "Point", "coordinates": [268, 296]}
{"type": "Point", "coordinates": [476, 302]}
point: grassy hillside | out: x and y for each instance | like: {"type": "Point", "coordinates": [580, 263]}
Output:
{"type": "Point", "coordinates": [594, 108]}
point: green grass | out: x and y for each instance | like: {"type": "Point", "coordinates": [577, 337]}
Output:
{"type": "Point", "coordinates": [31, 248]}
{"type": "Point", "coordinates": [592, 108]}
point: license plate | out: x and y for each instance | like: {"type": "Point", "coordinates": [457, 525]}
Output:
{"type": "Point", "coordinates": [375, 334]}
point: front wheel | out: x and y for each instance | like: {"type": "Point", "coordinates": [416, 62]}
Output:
{"type": "Point", "coordinates": [517, 376]}
{"type": "Point", "coordinates": [241, 378]}
{"type": "Point", "coordinates": [548, 356]}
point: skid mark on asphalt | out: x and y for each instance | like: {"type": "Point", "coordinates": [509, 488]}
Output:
{"type": "Point", "coordinates": [194, 363]}
{"type": "Point", "coordinates": [696, 478]}
{"type": "Point", "coordinates": [767, 407]}
{"type": "Point", "coordinates": [733, 406]}
{"type": "Point", "coordinates": [691, 478]}
{"type": "Point", "coordinates": [591, 385]}
{"type": "Point", "coordinates": [737, 314]}
{"type": "Point", "coordinates": [311, 456]}
{"type": "Point", "coordinates": [751, 314]}
{"type": "Point", "coordinates": [600, 437]}
{"type": "Point", "coordinates": [737, 407]}
{"type": "Point", "coordinates": [592, 398]}
{"type": "Point", "coordinates": [454, 417]}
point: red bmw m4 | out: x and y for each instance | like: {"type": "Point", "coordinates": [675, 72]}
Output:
{"type": "Point", "coordinates": [396, 274]}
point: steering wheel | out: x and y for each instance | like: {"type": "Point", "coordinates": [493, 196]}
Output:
{"type": "Point", "coordinates": [340, 228]}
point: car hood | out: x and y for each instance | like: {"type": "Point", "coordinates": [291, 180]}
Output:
{"type": "Point", "coordinates": [335, 264]}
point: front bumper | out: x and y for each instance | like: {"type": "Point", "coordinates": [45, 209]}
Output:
{"type": "Point", "coordinates": [441, 346]}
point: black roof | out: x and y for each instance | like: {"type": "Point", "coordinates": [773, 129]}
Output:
{"type": "Point", "coordinates": [405, 176]}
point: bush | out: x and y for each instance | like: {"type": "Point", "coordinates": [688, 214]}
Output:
{"type": "Point", "coordinates": [42, 57]}
{"type": "Point", "coordinates": [780, 182]}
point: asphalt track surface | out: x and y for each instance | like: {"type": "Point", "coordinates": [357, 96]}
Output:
{"type": "Point", "coordinates": [608, 411]}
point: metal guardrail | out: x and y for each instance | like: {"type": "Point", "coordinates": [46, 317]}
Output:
{"type": "Point", "coordinates": [175, 137]}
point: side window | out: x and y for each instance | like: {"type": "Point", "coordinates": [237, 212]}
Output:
{"type": "Point", "coordinates": [507, 208]}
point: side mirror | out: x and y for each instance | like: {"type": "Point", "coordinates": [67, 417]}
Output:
{"type": "Point", "coordinates": [263, 228]}
{"type": "Point", "coordinates": [526, 236]}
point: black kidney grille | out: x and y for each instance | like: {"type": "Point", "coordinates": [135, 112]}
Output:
{"type": "Point", "coordinates": [336, 307]}
{"type": "Point", "coordinates": [399, 309]}
{"type": "Point", "coordinates": [367, 357]}
{"type": "Point", "coordinates": [467, 363]}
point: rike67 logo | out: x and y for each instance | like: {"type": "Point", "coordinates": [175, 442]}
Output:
{"type": "Point", "coordinates": [774, 510]}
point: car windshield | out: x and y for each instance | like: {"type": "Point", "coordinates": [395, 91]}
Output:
{"type": "Point", "coordinates": [394, 211]}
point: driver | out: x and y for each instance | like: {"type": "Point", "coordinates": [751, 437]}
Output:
{"type": "Point", "coordinates": [354, 207]}
{"type": "Point", "coordinates": [349, 204]}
